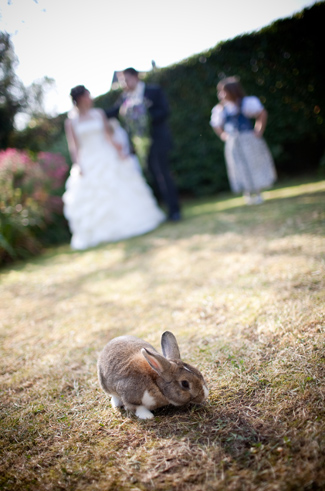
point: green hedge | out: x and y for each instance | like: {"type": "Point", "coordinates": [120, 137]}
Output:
{"type": "Point", "coordinates": [282, 64]}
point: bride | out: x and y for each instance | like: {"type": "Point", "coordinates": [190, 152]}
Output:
{"type": "Point", "coordinates": [106, 198]}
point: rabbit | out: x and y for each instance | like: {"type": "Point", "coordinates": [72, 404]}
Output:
{"type": "Point", "coordinates": [137, 377]}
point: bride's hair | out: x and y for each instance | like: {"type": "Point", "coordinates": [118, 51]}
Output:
{"type": "Point", "coordinates": [77, 92]}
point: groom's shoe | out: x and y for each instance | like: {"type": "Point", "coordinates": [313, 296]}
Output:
{"type": "Point", "coordinates": [175, 217]}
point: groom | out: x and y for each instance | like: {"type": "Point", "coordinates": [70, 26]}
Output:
{"type": "Point", "coordinates": [157, 108]}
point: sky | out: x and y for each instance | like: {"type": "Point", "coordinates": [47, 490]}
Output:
{"type": "Point", "coordinates": [84, 41]}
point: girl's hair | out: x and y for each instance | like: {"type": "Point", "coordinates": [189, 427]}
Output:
{"type": "Point", "coordinates": [77, 92]}
{"type": "Point", "coordinates": [233, 87]}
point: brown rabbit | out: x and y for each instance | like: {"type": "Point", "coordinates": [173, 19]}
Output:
{"type": "Point", "coordinates": [137, 377]}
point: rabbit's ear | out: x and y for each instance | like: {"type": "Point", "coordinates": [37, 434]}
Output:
{"type": "Point", "coordinates": [169, 346]}
{"type": "Point", "coordinates": [156, 361]}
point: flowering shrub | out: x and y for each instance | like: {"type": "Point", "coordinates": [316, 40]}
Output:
{"type": "Point", "coordinates": [55, 168]}
{"type": "Point", "coordinates": [28, 200]}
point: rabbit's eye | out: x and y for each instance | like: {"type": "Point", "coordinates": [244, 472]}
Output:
{"type": "Point", "coordinates": [185, 384]}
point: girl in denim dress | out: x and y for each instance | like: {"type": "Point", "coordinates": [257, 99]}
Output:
{"type": "Point", "coordinates": [250, 166]}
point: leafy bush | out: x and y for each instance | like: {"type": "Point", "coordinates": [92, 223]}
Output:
{"type": "Point", "coordinates": [283, 65]}
{"type": "Point", "coordinates": [45, 134]}
{"type": "Point", "coordinates": [29, 201]}
{"type": "Point", "coordinates": [12, 93]}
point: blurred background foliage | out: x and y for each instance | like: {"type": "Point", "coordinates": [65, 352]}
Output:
{"type": "Point", "coordinates": [30, 202]}
{"type": "Point", "coordinates": [282, 64]}
{"type": "Point", "coordinates": [12, 92]}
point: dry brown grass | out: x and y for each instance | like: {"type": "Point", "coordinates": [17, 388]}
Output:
{"type": "Point", "coordinates": [243, 290]}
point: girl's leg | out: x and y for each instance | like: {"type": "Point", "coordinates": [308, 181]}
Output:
{"type": "Point", "coordinates": [253, 198]}
{"type": "Point", "coordinates": [248, 198]}
{"type": "Point", "coordinates": [258, 199]}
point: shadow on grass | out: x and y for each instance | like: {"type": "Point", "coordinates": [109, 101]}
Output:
{"type": "Point", "coordinates": [211, 427]}
{"type": "Point", "coordinates": [278, 219]}
{"type": "Point", "coordinates": [278, 215]}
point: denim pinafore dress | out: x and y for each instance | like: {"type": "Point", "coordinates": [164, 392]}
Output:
{"type": "Point", "coordinates": [250, 165]}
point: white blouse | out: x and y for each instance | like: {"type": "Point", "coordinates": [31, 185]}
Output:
{"type": "Point", "coordinates": [251, 108]}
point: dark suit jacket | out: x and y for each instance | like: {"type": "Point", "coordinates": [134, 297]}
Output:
{"type": "Point", "coordinates": [158, 112]}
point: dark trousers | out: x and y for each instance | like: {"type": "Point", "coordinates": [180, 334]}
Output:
{"type": "Point", "coordinates": [162, 180]}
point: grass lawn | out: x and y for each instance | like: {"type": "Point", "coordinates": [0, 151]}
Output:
{"type": "Point", "coordinates": [241, 287]}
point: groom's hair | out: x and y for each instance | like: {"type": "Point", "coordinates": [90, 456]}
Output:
{"type": "Point", "coordinates": [131, 71]}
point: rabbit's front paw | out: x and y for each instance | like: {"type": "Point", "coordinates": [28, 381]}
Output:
{"type": "Point", "coordinates": [143, 413]}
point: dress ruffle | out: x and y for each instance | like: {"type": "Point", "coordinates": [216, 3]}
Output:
{"type": "Point", "coordinates": [110, 201]}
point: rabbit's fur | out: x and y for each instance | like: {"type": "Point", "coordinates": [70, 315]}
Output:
{"type": "Point", "coordinates": [137, 377]}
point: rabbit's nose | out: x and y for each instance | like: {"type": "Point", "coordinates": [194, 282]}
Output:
{"type": "Point", "coordinates": [202, 395]}
{"type": "Point", "coordinates": [199, 398]}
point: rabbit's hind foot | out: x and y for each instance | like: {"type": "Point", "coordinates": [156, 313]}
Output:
{"type": "Point", "coordinates": [116, 402]}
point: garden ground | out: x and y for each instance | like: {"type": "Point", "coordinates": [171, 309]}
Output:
{"type": "Point", "coordinates": [241, 287]}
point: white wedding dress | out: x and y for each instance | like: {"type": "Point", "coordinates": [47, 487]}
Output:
{"type": "Point", "coordinates": [110, 200]}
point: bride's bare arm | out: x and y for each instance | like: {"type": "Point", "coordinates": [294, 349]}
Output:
{"type": "Point", "coordinates": [72, 141]}
{"type": "Point", "coordinates": [110, 133]}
